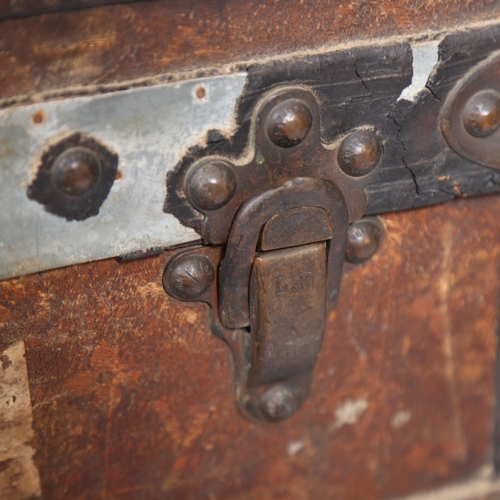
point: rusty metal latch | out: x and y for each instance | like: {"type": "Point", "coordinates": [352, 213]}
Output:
{"type": "Point", "coordinates": [283, 217]}
{"type": "Point", "coordinates": [274, 281]}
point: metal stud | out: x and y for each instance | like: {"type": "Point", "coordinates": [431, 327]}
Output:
{"type": "Point", "coordinates": [188, 276]}
{"type": "Point", "coordinates": [482, 114]}
{"type": "Point", "coordinates": [363, 240]}
{"type": "Point", "coordinates": [281, 401]}
{"type": "Point", "coordinates": [211, 185]}
{"type": "Point", "coordinates": [75, 171]}
{"type": "Point", "coordinates": [74, 177]}
{"type": "Point", "coordinates": [359, 153]}
{"type": "Point", "coordinates": [289, 123]}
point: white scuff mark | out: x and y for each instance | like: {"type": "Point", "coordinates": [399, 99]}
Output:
{"type": "Point", "coordinates": [350, 412]}
{"type": "Point", "coordinates": [359, 349]}
{"type": "Point", "coordinates": [294, 447]}
{"type": "Point", "coordinates": [19, 477]}
{"type": "Point", "coordinates": [425, 58]}
{"type": "Point", "coordinates": [400, 419]}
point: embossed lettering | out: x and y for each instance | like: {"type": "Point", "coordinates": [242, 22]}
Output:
{"type": "Point", "coordinates": [295, 284]}
{"type": "Point", "coordinates": [281, 285]}
{"type": "Point", "coordinates": [306, 280]}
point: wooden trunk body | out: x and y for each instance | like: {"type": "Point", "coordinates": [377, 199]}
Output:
{"type": "Point", "coordinates": [130, 393]}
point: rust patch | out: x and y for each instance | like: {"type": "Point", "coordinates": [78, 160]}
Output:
{"type": "Point", "coordinates": [201, 92]}
{"type": "Point", "coordinates": [38, 117]}
{"type": "Point", "coordinates": [19, 478]}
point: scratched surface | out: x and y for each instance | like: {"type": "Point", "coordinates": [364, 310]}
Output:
{"type": "Point", "coordinates": [132, 394]}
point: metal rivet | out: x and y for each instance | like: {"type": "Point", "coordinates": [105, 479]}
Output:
{"type": "Point", "coordinates": [363, 240]}
{"type": "Point", "coordinates": [211, 185]}
{"type": "Point", "coordinates": [200, 92]}
{"type": "Point", "coordinates": [281, 401]}
{"type": "Point", "coordinates": [289, 123]}
{"type": "Point", "coordinates": [189, 276]}
{"type": "Point", "coordinates": [482, 114]}
{"type": "Point", "coordinates": [38, 117]}
{"type": "Point", "coordinates": [75, 171]}
{"type": "Point", "coordinates": [359, 153]}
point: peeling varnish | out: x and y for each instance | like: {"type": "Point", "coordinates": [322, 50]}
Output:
{"type": "Point", "coordinates": [425, 59]}
{"type": "Point", "coordinates": [19, 477]}
{"type": "Point", "coordinates": [444, 285]}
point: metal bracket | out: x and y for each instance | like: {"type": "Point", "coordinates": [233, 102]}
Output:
{"type": "Point", "coordinates": [471, 114]}
{"type": "Point", "coordinates": [374, 122]}
{"type": "Point", "coordinates": [283, 215]}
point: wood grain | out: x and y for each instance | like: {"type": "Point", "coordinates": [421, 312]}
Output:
{"type": "Point", "coordinates": [132, 394]}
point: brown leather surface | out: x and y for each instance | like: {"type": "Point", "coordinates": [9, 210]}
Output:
{"type": "Point", "coordinates": [10, 9]}
{"type": "Point", "coordinates": [119, 43]}
{"type": "Point", "coordinates": [132, 394]}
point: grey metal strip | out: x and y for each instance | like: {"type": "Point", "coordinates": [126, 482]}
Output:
{"type": "Point", "coordinates": [149, 128]}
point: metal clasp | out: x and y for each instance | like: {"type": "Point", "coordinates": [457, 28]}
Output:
{"type": "Point", "coordinates": [275, 232]}
{"type": "Point", "coordinates": [282, 264]}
